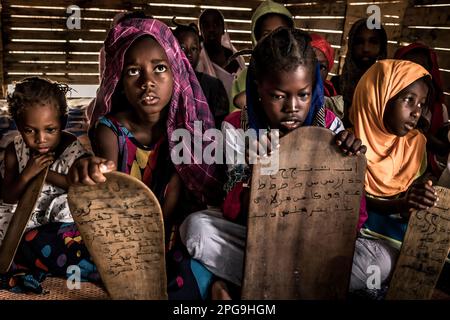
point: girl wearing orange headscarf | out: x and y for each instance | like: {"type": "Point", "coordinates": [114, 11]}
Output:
{"type": "Point", "coordinates": [387, 104]}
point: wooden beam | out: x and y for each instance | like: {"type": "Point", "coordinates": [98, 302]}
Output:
{"type": "Point", "coordinates": [2, 75]}
{"type": "Point", "coordinates": [15, 57]}
{"type": "Point", "coordinates": [70, 79]}
{"type": "Point", "coordinates": [55, 35]}
{"type": "Point", "coordinates": [107, 4]}
{"type": "Point", "coordinates": [51, 46]}
{"type": "Point", "coordinates": [423, 16]}
{"type": "Point", "coordinates": [51, 67]}
{"type": "Point", "coordinates": [431, 37]}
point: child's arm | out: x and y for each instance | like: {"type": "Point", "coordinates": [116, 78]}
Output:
{"type": "Point", "coordinates": [55, 178]}
{"type": "Point", "coordinates": [349, 144]}
{"type": "Point", "coordinates": [16, 183]}
{"type": "Point", "coordinates": [171, 198]}
{"type": "Point", "coordinates": [89, 170]}
{"type": "Point", "coordinates": [106, 144]}
{"type": "Point", "coordinates": [419, 196]}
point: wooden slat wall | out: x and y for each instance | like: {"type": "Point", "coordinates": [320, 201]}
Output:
{"type": "Point", "coordinates": [405, 22]}
{"type": "Point", "coordinates": [325, 18]}
{"type": "Point", "coordinates": [72, 55]}
{"type": "Point", "coordinates": [428, 21]}
{"type": "Point", "coordinates": [37, 40]}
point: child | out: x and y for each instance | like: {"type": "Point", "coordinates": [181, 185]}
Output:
{"type": "Point", "coordinates": [215, 93]}
{"type": "Point", "coordinates": [325, 56]}
{"type": "Point", "coordinates": [387, 105]}
{"type": "Point", "coordinates": [51, 242]}
{"type": "Point", "coordinates": [365, 46]}
{"type": "Point", "coordinates": [436, 115]}
{"type": "Point", "coordinates": [148, 91]}
{"type": "Point", "coordinates": [217, 49]}
{"type": "Point", "coordinates": [267, 17]}
{"type": "Point", "coordinates": [284, 92]}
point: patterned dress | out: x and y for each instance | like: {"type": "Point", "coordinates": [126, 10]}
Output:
{"type": "Point", "coordinates": [52, 242]}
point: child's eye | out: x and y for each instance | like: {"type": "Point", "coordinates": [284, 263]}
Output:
{"type": "Point", "coordinates": [323, 67]}
{"type": "Point", "coordinates": [133, 72]}
{"type": "Point", "coordinates": [303, 95]}
{"type": "Point", "coordinates": [277, 96]}
{"type": "Point", "coordinates": [51, 130]}
{"type": "Point", "coordinates": [183, 48]}
{"type": "Point", "coordinates": [160, 68]}
{"type": "Point", "coordinates": [408, 99]}
{"type": "Point", "coordinates": [28, 131]}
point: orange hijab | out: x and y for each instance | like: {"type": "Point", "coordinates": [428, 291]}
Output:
{"type": "Point", "coordinates": [392, 162]}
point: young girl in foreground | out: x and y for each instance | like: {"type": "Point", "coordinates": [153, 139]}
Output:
{"type": "Point", "coordinates": [388, 102]}
{"type": "Point", "coordinates": [284, 92]}
{"type": "Point", "coordinates": [52, 242]}
{"type": "Point", "coordinates": [148, 91]}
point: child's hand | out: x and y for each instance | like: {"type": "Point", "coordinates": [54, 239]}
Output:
{"type": "Point", "coordinates": [419, 197]}
{"type": "Point", "coordinates": [36, 164]}
{"type": "Point", "coordinates": [89, 171]}
{"type": "Point", "coordinates": [261, 147]}
{"type": "Point", "coordinates": [349, 144]}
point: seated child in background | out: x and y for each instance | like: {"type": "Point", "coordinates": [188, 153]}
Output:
{"type": "Point", "coordinates": [325, 56]}
{"type": "Point", "coordinates": [215, 93]}
{"type": "Point", "coordinates": [286, 93]}
{"type": "Point", "coordinates": [267, 17]}
{"type": "Point", "coordinates": [217, 49]}
{"type": "Point", "coordinates": [51, 242]}
{"type": "Point", "coordinates": [436, 113]}
{"type": "Point", "coordinates": [388, 102]}
{"type": "Point", "coordinates": [365, 47]}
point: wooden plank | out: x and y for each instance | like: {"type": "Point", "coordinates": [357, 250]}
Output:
{"type": "Point", "coordinates": [320, 9]}
{"type": "Point", "coordinates": [19, 220]}
{"type": "Point", "coordinates": [107, 4]}
{"type": "Point", "coordinates": [70, 79]}
{"type": "Point", "coordinates": [325, 24]}
{"type": "Point", "coordinates": [51, 67]}
{"type": "Point", "coordinates": [55, 35]}
{"type": "Point", "coordinates": [424, 250]}
{"type": "Point", "coordinates": [313, 183]}
{"type": "Point", "coordinates": [54, 46]}
{"type": "Point", "coordinates": [53, 23]}
{"type": "Point", "coordinates": [57, 12]}
{"type": "Point", "coordinates": [432, 38]}
{"type": "Point", "coordinates": [14, 57]}
{"type": "Point", "coordinates": [153, 10]}
{"type": "Point", "coordinates": [230, 3]}
{"type": "Point", "coordinates": [436, 16]}
{"type": "Point", "coordinates": [443, 59]}
{"type": "Point", "coordinates": [86, 25]}
{"type": "Point", "coordinates": [3, 88]}
{"type": "Point", "coordinates": [121, 224]}
{"type": "Point", "coordinates": [445, 76]}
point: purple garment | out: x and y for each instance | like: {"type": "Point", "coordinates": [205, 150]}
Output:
{"type": "Point", "coordinates": [188, 103]}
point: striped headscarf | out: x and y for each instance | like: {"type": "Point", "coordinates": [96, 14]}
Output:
{"type": "Point", "coordinates": [188, 103]}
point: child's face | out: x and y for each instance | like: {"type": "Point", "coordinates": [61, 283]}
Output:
{"type": "Point", "coordinates": [40, 126]}
{"type": "Point", "coordinates": [270, 23]}
{"type": "Point", "coordinates": [403, 111]}
{"type": "Point", "coordinates": [190, 44]}
{"type": "Point", "coordinates": [366, 47]}
{"type": "Point", "coordinates": [147, 77]}
{"type": "Point", "coordinates": [286, 98]}
{"type": "Point", "coordinates": [323, 61]}
{"type": "Point", "coordinates": [212, 27]}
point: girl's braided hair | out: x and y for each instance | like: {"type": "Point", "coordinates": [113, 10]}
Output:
{"type": "Point", "coordinates": [37, 91]}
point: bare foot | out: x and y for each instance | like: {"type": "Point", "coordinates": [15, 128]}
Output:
{"type": "Point", "coordinates": [219, 291]}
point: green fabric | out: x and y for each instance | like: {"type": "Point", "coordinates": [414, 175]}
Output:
{"type": "Point", "coordinates": [264, 8]}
